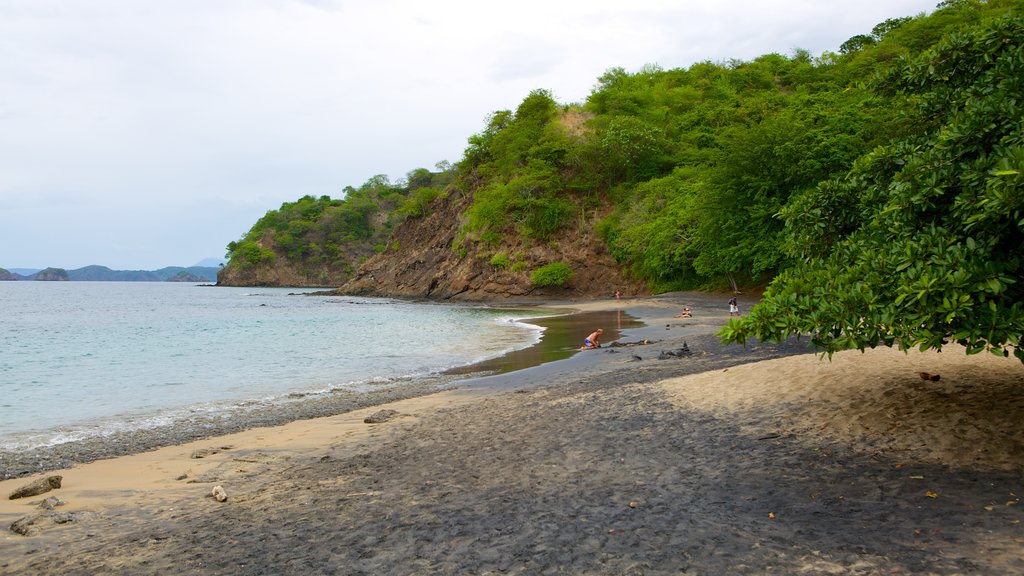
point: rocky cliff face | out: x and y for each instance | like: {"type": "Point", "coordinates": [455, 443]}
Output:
{"type": "Point", "coordinates": [278, 274]}
{"type": "Point", "coordinates": [6, 275]}
{"type": "Point", "coordinates": [282, 273]}
{"type": "Point", "coordinates": [420, 262]}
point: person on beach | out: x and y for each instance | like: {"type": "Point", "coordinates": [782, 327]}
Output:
{"type": "Point", "coordinates": [618, 294]}
{"type": "Point", "coordinates": [685, 314]}
{"type": "Point", "coordinates": [593, 341]}
{"type": "Point", "coordinates": [734, 307]}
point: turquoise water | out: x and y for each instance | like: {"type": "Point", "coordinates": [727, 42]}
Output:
{"type": "Point", "coordinates": [81, 359]}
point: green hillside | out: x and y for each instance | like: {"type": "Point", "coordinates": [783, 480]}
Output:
{"type": "Point", "coordinates": [719, 175]}
{"type": "Point", "coordinates": [320, 241]}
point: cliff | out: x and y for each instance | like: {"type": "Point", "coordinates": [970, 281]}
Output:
{"type": "Point", "coordinates": [6, 275]}
{"type": "Point", "coordinates": [281, 271]}
{"type": "Point", "coordinates": [316, 241]}
{"type": "Point", "coordinates": [421, 262]}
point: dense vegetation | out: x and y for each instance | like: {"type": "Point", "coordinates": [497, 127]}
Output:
{"type": "Point", "coordinates": [690, 168]}
{"type": "Point", "coordinates": [920, 243]}
{"type": "Point", "coordinates": [878, 186]}
{"type": "Point", "coordinates": [324, 239]}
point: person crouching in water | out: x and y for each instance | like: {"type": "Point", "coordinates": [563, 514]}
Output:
{"type": "Point", "coordinates": [594, 340]}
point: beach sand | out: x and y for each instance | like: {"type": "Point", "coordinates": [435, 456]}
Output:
{"type": "Point", "coordinates": [729, 460]}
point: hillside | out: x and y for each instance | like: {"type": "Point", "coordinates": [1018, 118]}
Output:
{"type": "Point", "coordinates": [95, 273]}
{"type": "Point", "coordinates": [103, 274]}
{"type": "Point", "coordinates": [321, 241]}
{"type": "Point", "coordinates": [661, 180]}
{"type": "Point", "coordinates": [421, 263]}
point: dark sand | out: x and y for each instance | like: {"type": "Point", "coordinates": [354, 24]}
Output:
{"type": "Point", "coordinates": [584, 466]}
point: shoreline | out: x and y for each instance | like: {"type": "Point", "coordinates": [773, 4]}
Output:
{"type": "Point", "coordinates": [728, 460]}
{"type": "Point", "coordinates": [559, 328]}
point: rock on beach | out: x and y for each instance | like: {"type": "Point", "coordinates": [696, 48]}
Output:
{"type": "Point", "coordinates": [40, 486]}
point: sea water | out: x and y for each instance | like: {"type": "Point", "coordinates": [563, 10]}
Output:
{"type": "Point", "coordinates": [82, 359]}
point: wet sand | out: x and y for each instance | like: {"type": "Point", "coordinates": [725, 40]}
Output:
{"type": "Point", "coordinates": [733, 460]}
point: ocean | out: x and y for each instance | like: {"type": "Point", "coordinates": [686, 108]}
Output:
{"type": "Point", "coordinates": [81, 360]}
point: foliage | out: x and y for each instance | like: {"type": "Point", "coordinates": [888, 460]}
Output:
{"type": "Point", "coordinates": [717, 174]}
{"type": "Point", "coordinates": [500, 261]}
{"type": "Point", "coordinates": [553, 274]}
{"type": "Point", "coordinates": [325, 237]}
{"type": "Point", "coordinates": [919, 245]}
{"type": "Point", "coordinates": [248, 254]}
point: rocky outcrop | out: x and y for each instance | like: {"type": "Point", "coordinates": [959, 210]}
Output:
{"type": "Point", "coordinates": [31, 525]}
{"type": "Point", "coordinates": [279, 274]}
{"type": "Point", "coordinates": [6, 275]}
{"type": "Point", "coordinates": [421, 262]}
{"type": "Point", "coordinates": [283, 272]}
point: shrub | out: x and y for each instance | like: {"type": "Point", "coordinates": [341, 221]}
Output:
{"type": "Point", "coordinates": [491, 238]}
{"type": "Point", "coordinates": [500, 261]}
{"type": "Point", "coordinates": [250, 254]}
{"type": "Point", "coordinates": [553, 274]}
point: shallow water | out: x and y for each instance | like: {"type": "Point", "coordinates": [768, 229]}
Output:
{"type": "Point", "coordinates": [563, 336]}
{"type": "Point", "coordinates": [87, 359]}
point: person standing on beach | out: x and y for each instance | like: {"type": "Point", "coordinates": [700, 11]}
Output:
{"type": "Point", "coordinates": [734, 307]}
{"type": "Point", "coordinates": [594, 340]}
{"type": "Point", "coordinates": [618, 294]}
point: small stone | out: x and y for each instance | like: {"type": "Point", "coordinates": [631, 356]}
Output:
{"type": "Point", "coordinates": [51, 502]}
{"type": "Point", "coordinates": [219, 494]}
{"type": "Point", "coordinates": [380, 416]}
{"type": "Point", "coordinates": [62, 517]}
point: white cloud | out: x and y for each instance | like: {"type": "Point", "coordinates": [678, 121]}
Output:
{"type": "Point", "coordinates": [146, 134]}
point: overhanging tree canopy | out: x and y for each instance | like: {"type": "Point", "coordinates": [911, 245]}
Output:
{"type": "Point", "coordinates": [922, 243]}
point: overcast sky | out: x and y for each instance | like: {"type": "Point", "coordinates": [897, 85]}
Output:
{"type": "Point", "coordinates": [138, 134]}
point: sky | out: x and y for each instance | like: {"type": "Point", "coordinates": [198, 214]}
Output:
{"type": "Point", "coordinates": [139, 134]}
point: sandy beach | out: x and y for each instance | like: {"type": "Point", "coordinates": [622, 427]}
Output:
{"type": "Point", "coordinates": [624, 460]}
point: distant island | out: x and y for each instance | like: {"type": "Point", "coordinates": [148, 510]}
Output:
{"type": "Point", "coordinates": [96, 273]}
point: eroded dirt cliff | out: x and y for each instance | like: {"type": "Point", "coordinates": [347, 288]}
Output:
{"type": "Point", "coordinates": [421, 262]}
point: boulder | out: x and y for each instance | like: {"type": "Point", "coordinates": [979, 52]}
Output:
{"type": "Point", "coordinates": [51, 502]}
{"type": "Point", "coordinates": [380, 416]}
{"type": "Point", "coordinates": [23, 526]}
{"type": "Point", "coordinates": [40, 486]}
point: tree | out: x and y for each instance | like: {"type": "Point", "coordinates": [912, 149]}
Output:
{"type": "Point", "coordinates": [855, 43]}
{"type": "Point", "coordinates": [920, 245]}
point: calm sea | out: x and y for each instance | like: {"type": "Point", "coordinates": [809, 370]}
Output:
{"type": "Point", "coordinates": [83, 359]}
